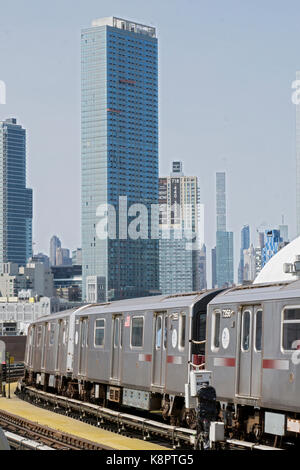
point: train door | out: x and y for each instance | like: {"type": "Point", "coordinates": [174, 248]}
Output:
{"type": "Point", "coordinates": [44, 345]}
{"type": "Point", "coordinates": [250, 360]}
{"type": "Point", "coordinates": [256, 367]}
{"type": "Point", "coordinates": [31, 345]}
{"type": "Point", "coordinates": [160, 349]}
{"type": "Point", "coordinates": [116, 350]}
{"type": "Point", "coordinates": [83, 344]}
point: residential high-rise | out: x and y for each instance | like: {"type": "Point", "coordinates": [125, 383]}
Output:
{"type": "Point", "coordinates": [179, 255]}
{"type": "Point", "coordinates": [54, 244]}
{"type": "Point", "coordinates": [224, 239]}
{"type": "Point", "coordinates": [15, 198]}
{"type": "Point", "coordinates": [119, 155]}
{"type": "Point", "coordinates": [245, 244]}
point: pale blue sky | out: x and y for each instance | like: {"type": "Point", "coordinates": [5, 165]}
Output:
{"type": "Point", "coordinates": [226, 69]}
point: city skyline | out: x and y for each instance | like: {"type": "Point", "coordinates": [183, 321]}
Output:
{"type": "Point", "coordinates": [211, 157]}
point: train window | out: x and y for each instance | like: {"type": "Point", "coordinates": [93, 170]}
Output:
{"type": "Point", "coordinates": [137, 332]}
{"type": "Point", "coordinates": [258, 330]}
{"type": "Point", "coordinates": [290, 328]}
{"type": "Point", "coordinates": [99, 332]}
{"type": "Point", "coordinates": [65, 331]}
{"type": "Point", "coordinates": [246, 331]}
{"type": "Point", "coordinates": [116, 332]}
{"type": "Point", "coordinates": [216, 330]}
{"type": "Point", "coordinates": [39, 336]}
{"type": "Point", "coordinates": [121, 332]}
{"type": "Point", "coordinates": [52, 334]}
{"type": "Point", "coordinates": [158, 332]}
{"type": "Point", "coordinates": [165, 332]}
{"type": "Point", "coordinates": [182, 328]}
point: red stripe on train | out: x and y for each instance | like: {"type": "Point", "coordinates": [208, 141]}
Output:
{"type": "Point", "coordinates": [279, 364]}
{"type": "Point", "coordinates": [224, 361]}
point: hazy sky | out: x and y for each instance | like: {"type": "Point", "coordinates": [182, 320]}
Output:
{"type": "Point", "coordinates": [225, 68]}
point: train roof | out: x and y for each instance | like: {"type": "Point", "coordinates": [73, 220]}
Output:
{"type": "Point", "coordinates": [258, 292]}
{"type": "Point", "coordinates": [157, 302]}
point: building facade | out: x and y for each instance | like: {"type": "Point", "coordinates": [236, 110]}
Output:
{"type": "Point", "coordinates": [272, 244]}
{"type": "Point", "coordinates": [119, 154]}
{"type": "Point", "coordinates": [250, 264]}
{"type": "Point", "coordinates": [179, 223]}
{"type": "Point", "coordinates": [54, 244]}
{"type": "Point", "coordinates": [15, 198]}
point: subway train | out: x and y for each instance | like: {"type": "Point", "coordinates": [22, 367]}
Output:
{"type": "Point", "coordinates": [156, 353]}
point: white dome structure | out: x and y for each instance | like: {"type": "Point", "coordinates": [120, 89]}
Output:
{"type": "Point", "coordinates": [273, 269]}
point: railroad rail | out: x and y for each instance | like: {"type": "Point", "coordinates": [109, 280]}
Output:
{"type": "Point", "coordinates": [17, 442]}
{"type": "Point", "coordinates": [41, 435]}
{"type": "Point", "coordinates": [147, 429]}
{"type": "Point", "coordinates": [123, 423]}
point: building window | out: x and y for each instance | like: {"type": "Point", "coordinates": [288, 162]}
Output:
{"type": "Point", "coordinates": [290, 328]}
{"type": "Point", "coordinates": [99, 332]}
{"type": "Point", "coordinates": [137, 332]}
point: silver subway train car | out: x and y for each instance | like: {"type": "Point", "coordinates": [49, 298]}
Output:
{"type": "Point", "coordinates": [156, 353]}
{"type": "Point", "coordinates": [143, 353]}
{"type": "Point", "coordinates": [253, 352]}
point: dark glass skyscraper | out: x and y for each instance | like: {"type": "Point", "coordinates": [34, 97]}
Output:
{"type": "Point", "coordinates": [119, 156]}
{"type": "Point", "coordinates": [15, 198]}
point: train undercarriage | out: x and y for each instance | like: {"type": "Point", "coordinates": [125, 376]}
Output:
{"type": "Point", "coordinates": [241, 422]}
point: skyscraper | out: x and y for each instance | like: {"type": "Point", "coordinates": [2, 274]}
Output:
{"type": "Point", "coordinates": [213, 268]}
{"type": "Point", "coordinates": [224, 239]}
{"type": "Point", "coordinates": [272, 245]}
{"type": "Point", "coordinates": [179, 259]}
{"type": "Point", "coordinates": [15, 198]}
{"type": "Point", "coordinates": [54, 244]}
{"type": "Point", "coordinates": [119, 153]}
{"type": "Point", "coordinates": [245, 244]}
{"type": "Point", "coordinates": [221, 202]}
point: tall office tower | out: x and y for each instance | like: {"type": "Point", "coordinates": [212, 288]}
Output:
{"type": "Point", "coordinates": [273, 243]}
{"type": "Point", "coordinates": [213, 268]}
{"type": "Point", "coordinates": [15, 198]}
{"type": "Point", "coordinates": [119, 156]}
{"type": "Point", "coordinates": [54, 244]}
{"type": "Point", "coordinates": [245, 244]}
{"type": "Point", "coordinates": [298, 162]}
{"type": "Point", "coordinates": [179, 217]}
{"type": "Point", "coordinates": [224, 239]}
